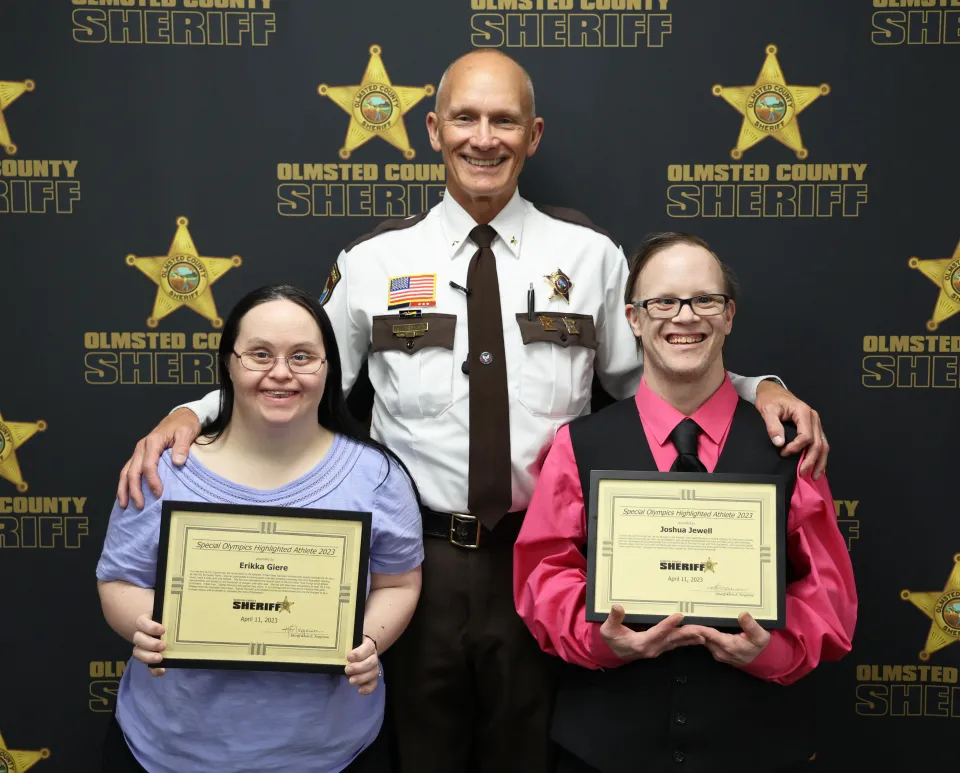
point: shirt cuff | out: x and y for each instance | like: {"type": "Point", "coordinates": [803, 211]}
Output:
{"type": "Point", "coordinates": [206, 409]}
{"type": "Point", "coordinates": [746, 386]}
{"type": "Point", "coordinates": [775, 379]}
{"type": "Point", "coordinates": [774, 661]}
{"type": "Point", "coordinates": [600, 651]}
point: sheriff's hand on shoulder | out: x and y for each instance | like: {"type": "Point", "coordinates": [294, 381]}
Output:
{"type": "Point", "coordinates": [776, 405]}
{"type": "Point", "coordinates": [177, 431]}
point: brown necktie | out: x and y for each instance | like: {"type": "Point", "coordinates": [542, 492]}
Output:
{"type": "Point", "coordinates": [490, 493]}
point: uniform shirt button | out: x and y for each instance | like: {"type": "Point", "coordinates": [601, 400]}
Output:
{"type": "Point", "coordinates": [681, 680]}
{"type": "Point", "coordinates": [681, 718]}
{"type": "Point", "coordinates": [678, 756]}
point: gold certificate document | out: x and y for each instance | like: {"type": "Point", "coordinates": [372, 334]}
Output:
{"type": "Point", "coordinates": [260, 587]}
{"type": "Point", "coordinates": [708, 545]}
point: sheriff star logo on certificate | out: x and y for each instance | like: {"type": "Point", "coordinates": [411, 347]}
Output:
{"type": "Point", "coordinates": [770, 107]}
{"type": "Point", "coordinates": [10, 92]}
{"type": "Point", "coordinates": [376, 107]}
{"type": "Point", "coordinates": [13, 434]}
{"type": "Point", "coordinates": [183, 277]}
{"type": "Point", "coordinates": [945, 274]}
{"type": "Point", "coordinates": [943, 608]}
{"type": "Point", "coordinates": [13, 761]}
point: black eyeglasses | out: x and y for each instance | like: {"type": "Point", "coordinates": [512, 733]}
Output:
{"type": "Point", "coordinates": [298, 363]}
{"type": "Point", "coordinates": [667, 308]}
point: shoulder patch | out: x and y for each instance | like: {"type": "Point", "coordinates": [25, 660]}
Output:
{"type": "Point", "coordinates": [386, 226]}
{"type": "Point", "coordinates": [332, 279]}
{"type": "Point", "coordinates": [575, 217]}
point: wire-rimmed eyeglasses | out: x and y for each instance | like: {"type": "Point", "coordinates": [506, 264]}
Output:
{"type": "Point", "coordinates": [298, 363]}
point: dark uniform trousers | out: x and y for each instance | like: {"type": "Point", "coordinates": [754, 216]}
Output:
{"type": "Point", "coordinates": [681, 711]}
{"type": "Point", "coordinates": [468, 688]}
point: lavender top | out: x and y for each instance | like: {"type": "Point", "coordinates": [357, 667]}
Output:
{"type": "Point", "coordinates": [204, 719]}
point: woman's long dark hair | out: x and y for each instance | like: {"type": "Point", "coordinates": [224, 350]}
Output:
{"type": "Point", "coordinates": [333, 413]}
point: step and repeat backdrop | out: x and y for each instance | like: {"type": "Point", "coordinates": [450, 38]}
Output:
{"type": "Point", "coordinates": [160, 158]}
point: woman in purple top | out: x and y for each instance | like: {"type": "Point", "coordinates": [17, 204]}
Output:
{"type": "Point", "coordinates": [284, 438]}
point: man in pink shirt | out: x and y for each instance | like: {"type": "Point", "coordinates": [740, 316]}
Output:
{"type": "Point", "coordinates": [649, 700]}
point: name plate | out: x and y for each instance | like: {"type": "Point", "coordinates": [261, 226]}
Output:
{"type": "Point", "coordinates": [411, 329]}
{"type": "Point", "coordinates": [260, 588]}
{"type": "Point", "coordinates": [710, 546]}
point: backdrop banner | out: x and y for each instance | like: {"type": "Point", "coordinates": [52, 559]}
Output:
{"type": "Point", "coordinates": [161, 158]}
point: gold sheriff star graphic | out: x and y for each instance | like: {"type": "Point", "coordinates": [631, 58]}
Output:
{"type": "Point", "coordinates": [770, 107]}
{"type": "Point", "coordinates": [945, 274]}
{"type": "Point", "coordinates": [183, 277]}
{"type": "Point", "coordinates": [943, 608]}
{"type": "Point", "coordinates": [709, 566]}
{"type": "Point", "coordinates": [286, 604]}
{"type": "Point", "coordinates": [13, 761]}
{"type": "Point", "coordinates": [376, 107]}
{"type": "Point", "coordinates": [14, 434]}
{"type": "Point", "coordinates": [10, 92]}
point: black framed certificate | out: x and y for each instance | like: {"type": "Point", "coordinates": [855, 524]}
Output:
{"type": "Point", "coordinates": [260, 588]}
{"type": "Point", "coordinates": [710, 546]}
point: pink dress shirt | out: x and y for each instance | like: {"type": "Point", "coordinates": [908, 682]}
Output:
{"type": "Point", "coordinates": [550, 572]}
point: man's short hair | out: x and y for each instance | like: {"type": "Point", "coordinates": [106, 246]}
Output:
{"type": "Point", "coordinates": [657, 242]}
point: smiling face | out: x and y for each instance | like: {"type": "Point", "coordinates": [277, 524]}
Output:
{"type": "Point", "coordinates": [484, 127]}
{"type": "Point", "coordinates": [278, 396]}
{"type": "Point", "coordinates": [686, 348]}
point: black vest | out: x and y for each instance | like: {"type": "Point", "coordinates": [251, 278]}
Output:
{"type": "Point", "coordinates": [682, 711]}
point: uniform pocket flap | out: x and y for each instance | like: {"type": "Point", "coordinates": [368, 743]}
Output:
{"type": "Point", "coordinates": [393, 332]}
{"type": "Point", "coordinates": [560, 329]}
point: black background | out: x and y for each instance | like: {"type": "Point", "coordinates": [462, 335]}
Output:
{"type": "Point", "coordinates": [163, 131]}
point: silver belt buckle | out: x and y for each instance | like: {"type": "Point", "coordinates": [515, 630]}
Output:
{"type": "Point", "coordinates": [461, 526]}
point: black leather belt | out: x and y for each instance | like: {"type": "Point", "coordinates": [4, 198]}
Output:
{"type": "Point", "coordinates": [465, 531]}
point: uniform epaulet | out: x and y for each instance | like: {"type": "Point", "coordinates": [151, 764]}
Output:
{"type": "Point", "coordinates": [575, 217]}
{"type": "Point", "coordinates": [386, 226]}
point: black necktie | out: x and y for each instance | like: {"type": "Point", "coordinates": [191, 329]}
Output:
{"type": "Point", "coordinates": [489, 490]}
{"type": "Point", "coordinates": [684, 438]}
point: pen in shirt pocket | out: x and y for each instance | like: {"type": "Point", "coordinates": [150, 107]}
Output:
{"type": "Point", "coordinates": [530, 302]}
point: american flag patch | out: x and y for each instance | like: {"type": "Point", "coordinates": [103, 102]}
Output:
{"type": "Point", "coordinates": [416, 290]}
